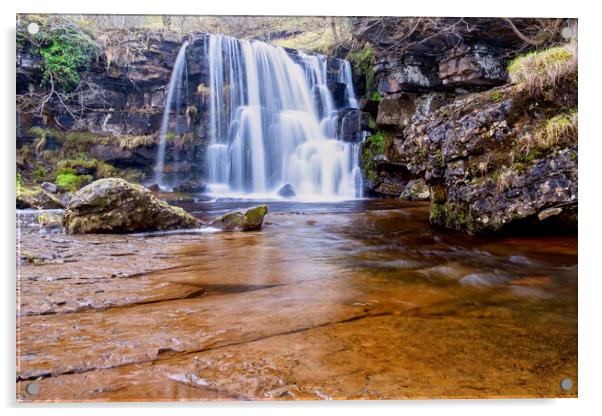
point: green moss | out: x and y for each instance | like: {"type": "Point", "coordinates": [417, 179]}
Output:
{"type": "Point", "coordinates": [496, 96]}
{"type": "Point", "coordinates": [70, 181]}
{"type": "Point", "coordinates": [65, 52]}
{"type": "Point", "coordinates": [39, 173]}
{"type": "Point", "coordinates": [374, 145]}
{"type": "Point", "coordinates": [19, 180]}
{"type": "Point", "coordinates": [437, 214]}
{"type": "Point", "coordinates": [533, 154]}
{"type": "Point", "coordinates": [170, 136]}
{"type": "Point", "coordinates": [377, 143]}
{"type": "Point", "coordinates": [573, 156]}
{"type": "Point", "coordinates": [455, 216]}
{"type": "Point", "coordinates": [97, 168]}
{"type": "Point", "coordinates": [375, 96]}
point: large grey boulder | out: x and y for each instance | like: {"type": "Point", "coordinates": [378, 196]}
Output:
{"type": "Point", "coordinates": [113, 205]}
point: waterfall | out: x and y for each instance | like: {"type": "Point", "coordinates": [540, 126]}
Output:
{"type": "Point", "coordinates": [175, 85]}
{"type": "Point", "coordinates": [345, 77]}
{"type": "Point", "coordinates": [272, 122]}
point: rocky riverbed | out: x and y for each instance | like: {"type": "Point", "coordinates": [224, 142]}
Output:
{"type": "Point", "coordinates": [364, 300]}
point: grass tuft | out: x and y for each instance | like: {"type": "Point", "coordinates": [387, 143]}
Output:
{"type": "Point", "coordinates": [541, 70]}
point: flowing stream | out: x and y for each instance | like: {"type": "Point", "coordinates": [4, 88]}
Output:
{"type": "Point", "coordinates": [357, 299]}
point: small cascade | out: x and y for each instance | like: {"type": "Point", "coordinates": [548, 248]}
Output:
{"type": "Point", "coordinates": [345, 77]}
{"type": "Point", "coordinates": [273, 122]}
{"type": "Point", "coordinates": [175, 86]}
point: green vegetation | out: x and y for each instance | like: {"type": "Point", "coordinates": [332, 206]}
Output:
{"type": "Point", "coordinates": [170, 136]}
{"type": "Point", "coordinates": [39, 173]}
{"type": "Point", "coordinates": [65, 51]}
{"type": "Point", "coordinates": [39, 132]}
{"type": "Point", "coordinates": [496, 96]}
{"type": "Point", "coordinates": [495, 176]}
{"type": "Point", "coordinates": [439, 159]}
{"type": "Point", "coordinates": [541, 70]}
{"type": "Point", "coordinates": [560, 127]}
{"type": "Point", "coordinates": [374, 145]}
{"type": "Point", "coordinates": [557, 131]}
{"type": "Point", "coordinates": [454, 215]}
{"type": "Point", "coordinates": [362, 62]}
{"type": "Point", "coordinates": [70, 181]}
{"type": "Point", "coordinates": [86, 165]}
{"type": "Point", "coordinates": [377, 143]}
{"type": "Point", "coordinates": [375, 96]}
{"type": "Point", "coordinates": [531, 155]}
{"type": "Point", "coordinates": [437, 212]}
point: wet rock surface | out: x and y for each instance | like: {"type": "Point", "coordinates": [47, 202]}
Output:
{"type": "Point", "coordinates": [316, 306]}
{"type": "Point", "coordinates": [287, 191]}
{"type": "Point", "coordinates": [113, 205]}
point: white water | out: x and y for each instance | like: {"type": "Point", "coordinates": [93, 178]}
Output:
{"type": "Point", "coordinates": [272, 122]}
{"type": "Point", "coordinates": [175, 84]}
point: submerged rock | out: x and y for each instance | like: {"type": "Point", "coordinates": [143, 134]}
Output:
{"type": "Point", "coordinates": [249, 220]}
{"type": "Point", "coordinates": [36, 198]}
{"type": "Point", "coordinates": [114, 205]}
{"type": "Point", "coordinates": [287, 191]}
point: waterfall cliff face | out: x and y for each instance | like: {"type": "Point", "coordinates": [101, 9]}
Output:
{"type": "Point", "coordinates": [272, 123]}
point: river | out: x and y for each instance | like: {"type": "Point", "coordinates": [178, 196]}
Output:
{"type": "Point", "coordinates": [352, 300]}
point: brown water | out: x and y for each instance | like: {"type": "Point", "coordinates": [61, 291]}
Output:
{"type": "Point", "coordinates": [363, 300]}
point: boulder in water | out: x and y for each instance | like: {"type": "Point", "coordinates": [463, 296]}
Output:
{"type": "Point", "coordinates": [154, 187]}
{"type": "Point", "coordinates": [113, 205]}
{"type": "Point", "coordinates": [249, 220]}
{"type": "Point", "coordinates": [287, 191]}
{"type": "Point", "coordinates": [191, 187]}
{"type": "Point", "coordinates": [36, 198]}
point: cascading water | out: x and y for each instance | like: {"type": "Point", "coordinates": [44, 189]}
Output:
{"type": "Point", "coordinates": [272, 121]}
{"type": "Point", "coordinates": [345, 77]}
{"type": "Point", "coordinates": [175, 86]}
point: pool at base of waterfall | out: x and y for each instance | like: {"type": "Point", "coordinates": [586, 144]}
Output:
{"type": "Point", "coordinates": [355, 300]}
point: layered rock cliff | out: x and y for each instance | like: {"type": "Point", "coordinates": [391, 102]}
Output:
{"type": "Point", "coordinates": [447, 125]}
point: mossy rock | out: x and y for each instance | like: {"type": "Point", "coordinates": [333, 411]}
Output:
{"type": "Point", "coordinates": [113, 205]}
{"type": "Point", "coordinates": [36, 198]}
{"type": "Point", "coordinates": [249, 220]}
